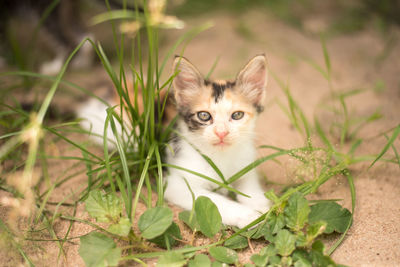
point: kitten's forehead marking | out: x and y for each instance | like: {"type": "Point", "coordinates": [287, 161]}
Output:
{"type": "Point", "coordinates": [218, 88]}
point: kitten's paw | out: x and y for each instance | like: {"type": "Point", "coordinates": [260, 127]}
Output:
{"type": "Point", "coordinates": [246, 217]}
{"type": "Point", "coordinates": [261, 204]}
{"type": "Point", "coordinates": [258, 202]}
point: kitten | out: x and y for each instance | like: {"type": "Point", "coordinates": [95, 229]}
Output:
{"type": "Point", "coordinates": [218, 118]}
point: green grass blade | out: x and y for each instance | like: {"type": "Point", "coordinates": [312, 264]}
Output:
{"type": "Point", "coordinates": [113, 15]}
{"type": "Point", "coordinates": [257, 162]}
{"type": "Point", "coordinates": [125, 169]}
{"type": "Point", "coordinates": [354, 146]}
{"type": "Point", "coordinates": [212, 68]}
{"type": "Point", "coordinates": [51, 78]}
{"type": "Point", "coordinates": [395, 152]}
{"type": "Point", "coordinates": [107, 157]}
{"type": "Point", "coordinates": [16, 244]}
{"type": "Point", "coordinates": [318, 68]}
{"type": "Point", "coordinates": [142, 178]}
{"type": "Point", "coordinates": [322, 135]}
{"type": "Point", "coordinates": [160, 182]}
{"type": "Point", "coordinates": [396, 132]}
{"type": "Point", "coordinates": [72, 142]}
{"type": "Point", "coordinates": [50, 94]}
{"type": "Point", "coordinates": [326, 57]}
{"type": "Point", "coordinates": [205, 177]}
{"type": "Point", "coordinates": [187, 37]}
{"type": "Point", "coordinates": [215, 168]}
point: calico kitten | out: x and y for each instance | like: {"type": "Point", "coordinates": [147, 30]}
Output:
{"type": "Point", "coordinates": [218, 118]}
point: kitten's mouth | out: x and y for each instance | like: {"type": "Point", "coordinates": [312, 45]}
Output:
{"type": "Point", "coordinates": [221, 143]}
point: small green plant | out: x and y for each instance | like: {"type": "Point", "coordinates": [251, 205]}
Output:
{"type": "Point", "coordinates": [290, 231]}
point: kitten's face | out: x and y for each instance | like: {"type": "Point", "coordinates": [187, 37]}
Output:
{"type": "Point", "coordinates": [221, 113]}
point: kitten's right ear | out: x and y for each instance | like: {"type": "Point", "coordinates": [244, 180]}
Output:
{"type": "Point", "coordinates": [252, 80]}
{"type": "Point", "coordinates": [187, 82]}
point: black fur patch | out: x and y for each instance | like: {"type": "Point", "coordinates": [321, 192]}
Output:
{"type": "Point", "coordinates": [218, 89]}
{"type": "Point", "coordinates": [259, 108]}
{"type": "Point", "coordinates": [191, 121]}
{"type": "Point", "coordinates": [175, 143]}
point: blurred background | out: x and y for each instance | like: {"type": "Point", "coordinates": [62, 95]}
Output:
{"type": "Point", "coordinates": [35, 32]}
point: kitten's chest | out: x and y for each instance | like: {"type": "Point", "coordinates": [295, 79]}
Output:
{"type": "Point", "coordinates": [228, 162]}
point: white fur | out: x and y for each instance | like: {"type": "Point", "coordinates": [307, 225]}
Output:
{"type": "Point", "coordinates": [229, 158]}
{"type": "Point", "coordinates": [93, 114]}
{"type": "Point", "coordinates": [54, 66]}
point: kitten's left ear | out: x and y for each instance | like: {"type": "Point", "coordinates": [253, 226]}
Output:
{"type": "Point", "coordinates": [187, 82]}
{"type": "Point", "coordinates": [252, 80]}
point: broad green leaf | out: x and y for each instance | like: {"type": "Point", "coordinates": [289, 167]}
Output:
{"type": "Point", "coordinates": [155, 221]}
{"type": "Point", "coordinates": [98, 250]}
{"type": "Point", "coordinates": [121, 228]}
{"type": "Point", "coordinates": [276, 222]}
{"type": "Point", "coordinates": [261, 230]}
{"type": "Point", "coordinates": [336, 217]}
{"type": "Point", "coordinates": [318, 258]}
{"type": "Point", "coordinates": [171, 259]}
{"type": "Point", "coordinates": [274, 260]}
{"type": "Point", "coordinates": [200, 260]}
{"type": "Point", "coordinates": [301, 240]}
{"type": "Point", "coordinates": [259, 260]}
{"type": "Point", "coordinates": [191, 222]}
{"type": "Point", "coordinates": [301, 258]}
{"type": "Point", "coordinates": [302, 263]}
{"type": "Point", "coordinates": [269, 250]}
{"type": "Point", "coordinates": [224, 254]}
{"type": "Point", "coordinates": [103, 207]}
{"type": "Point", "coordinates": [207, 216]}
{"type": "Point", "coordinates": [269, 237]}
{"type": "Point", "coordinates": [168, 237]}
{"type": "Point", "coordinates": [236, 242]}
{"type": "Point", "coordinates": [296, 211]}
{"type": "Point", "coordinates": [318, 246]}
{"type": "Point", "coordinates": [285, 242]}
{"type": "Point", "coordinates": [248, 265]}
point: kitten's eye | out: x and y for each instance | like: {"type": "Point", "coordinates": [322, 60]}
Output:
{"type": "Point", "coordinates": [204, 116]}
{"type": "Point", "coordinates": [237, 115]}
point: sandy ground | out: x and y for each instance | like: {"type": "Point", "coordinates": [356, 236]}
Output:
{"type": "Point", "coordinates": [374, 239]}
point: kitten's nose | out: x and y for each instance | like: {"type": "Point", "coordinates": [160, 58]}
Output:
{"type": "Point", "coordinates": [221, 134]}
